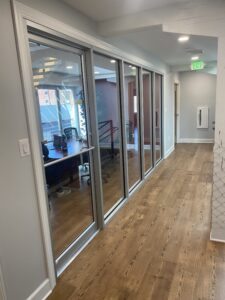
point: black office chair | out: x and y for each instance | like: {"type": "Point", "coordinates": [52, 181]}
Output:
{"type": "Point", "coordinates": [71, 132]}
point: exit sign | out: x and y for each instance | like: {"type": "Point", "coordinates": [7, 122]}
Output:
{"type": "Point", "coordinates": [197, 65]}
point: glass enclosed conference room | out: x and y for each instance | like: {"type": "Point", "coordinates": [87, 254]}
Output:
{"type": "Point", "coordinates": [100, 134]}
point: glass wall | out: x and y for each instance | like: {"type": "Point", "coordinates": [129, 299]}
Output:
{"type": "Point", "coordinates": [109, 129]}
{"type": "Point", "coordinates": [58, 81]}
{"type": "Point", "coordinates": [75, 194]}
{"type": "Point", "coordinates": [131, 104]}
{"type": "Point", "coordinates": [158, 117]}
{"type": "Point", "coordinates": [147, 122]}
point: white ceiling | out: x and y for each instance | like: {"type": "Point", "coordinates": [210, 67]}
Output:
{"type": "Point", "coordinates": [165, 46]}
{"type": "Point", "coordinates": [99, 10]}
{"type": "Point", "coordinates": [160, 44]}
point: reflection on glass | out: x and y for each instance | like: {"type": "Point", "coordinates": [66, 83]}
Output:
{"type": "Point", "coordinates": [57, 76]}
{"type": "Point", "coordinates": [131, 118]}
{"type": "Point", "coordinates": [107, 98]}
{"type": "Point", "coordinates": [158, 116]}
{"type": "Point", "coordinates": [146, 76]}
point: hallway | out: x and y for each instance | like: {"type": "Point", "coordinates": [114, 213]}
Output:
{"type": "Point", "coordinates": [157, 247]}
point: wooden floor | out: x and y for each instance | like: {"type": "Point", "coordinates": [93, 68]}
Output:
{"type": "Point", "coordinates": [157, 247]}
{"type": "Point", "coordinates": [70, 215]}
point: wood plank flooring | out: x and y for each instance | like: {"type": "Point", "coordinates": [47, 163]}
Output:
{"type": "Point", "coordinates": [157, 247]}
{"type": "Point", "coordinates": [70, 215]}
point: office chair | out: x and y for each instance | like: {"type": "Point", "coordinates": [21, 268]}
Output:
{"type": "Point", "coordinates": [70, 132]}
{"type": "Point", "coordinates": [86, 165]}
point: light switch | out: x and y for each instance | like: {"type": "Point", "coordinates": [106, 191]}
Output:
{"type": "Point", "coordinates": [24, 147]}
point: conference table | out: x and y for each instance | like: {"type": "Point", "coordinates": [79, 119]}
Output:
{"type": "Point", "coordinates": [74, 147]}
{"type": "Point", "coordinates": [63, 164]}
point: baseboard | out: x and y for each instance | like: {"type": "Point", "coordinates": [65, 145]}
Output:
{"type": "Point", "coordinates": [42, 292]}
{"type": "Point", "coordinates": [196, 141]}
{"type": "Point", "coordinates": [216, 239]}
{"type": "Point", "coordinates": [167, 154]}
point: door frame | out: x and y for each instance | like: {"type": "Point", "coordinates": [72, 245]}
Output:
{"type": "Point", "coordinates": [161, 111]}
{"type": "Point", "coordinates": [176, 114]}
{"type": "Point", "coordinates": [150, 100]}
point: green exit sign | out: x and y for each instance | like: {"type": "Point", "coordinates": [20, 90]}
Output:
{"type": "Point", "coordinates": [197, 65]}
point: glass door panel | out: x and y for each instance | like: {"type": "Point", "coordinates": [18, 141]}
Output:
{"type": "Point", "coordinates": [109, 129]}
{"type": "Point", "coordinates": [147, 114]}
{"type": "Point", "coordinates": [67, 162]}
{"type": "Point", "coordinates": [158, 117]}
{"type": "Point", "coordinates": [131, 104]}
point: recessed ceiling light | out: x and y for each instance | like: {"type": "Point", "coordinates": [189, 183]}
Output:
{"type": "Point", "coordinates": [130, 66]}
{"type": "Point", "coordinates": [47, 70]}
{"type": "Point", "coordinates": [195, 57]}
{"type": "Point", "coordinates": [35, 77]}
{"type": "Point", "coordinates": [183, 38]}
{"type": "Point", "coordinates": [50, 63]}
{"type": "Point", "coordinates": [69, 67]}
{"type": "Point", "coordinates": [44, 70]}
{"type": "Point", "coordinates": [133, 68]}
{"type": "Point", "coordinates": [112, 61]}
{"type": "Point", "coordinates": [52, 58]}
{"type": "Point", "coordinates": [97, 72]}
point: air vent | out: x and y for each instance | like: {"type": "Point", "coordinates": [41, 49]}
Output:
{"type": "Point", "coordinates": [194, 51]}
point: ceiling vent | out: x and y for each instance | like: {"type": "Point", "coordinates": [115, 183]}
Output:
{"type": "Point", "coordinates": [194, 51]}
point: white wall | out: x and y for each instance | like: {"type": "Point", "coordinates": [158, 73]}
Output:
{"type": "Point", "coordinates": [218, 199]}
{"type": "Point", "coordinates": [21, 246]}
{"type": "Point", "coordinates": [196, 89]}
{"type": "Point", "coordinates": [57, 9]}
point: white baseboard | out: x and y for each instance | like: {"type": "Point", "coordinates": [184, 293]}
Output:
{"type": "Point", "coordinates": [217, 238]}
{"type": "Point", "coordinates": [196, 141]}
{"type": "Point", "coordinates": [169, 152]}
{"type": "Point", "coordinates": [42, 292]}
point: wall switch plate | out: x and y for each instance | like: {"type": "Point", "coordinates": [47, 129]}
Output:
{"type": "Point", "coordinates": [24, 147]}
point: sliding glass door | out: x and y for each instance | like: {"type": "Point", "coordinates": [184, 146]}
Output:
{"type": "Point", "coordinates": [131, 104]}
{"type": "Point", "coordinates": [58, 73]}
{"type": "Point", "coordinates": [147, 120]}
{"type": "Point", "coordinates": [84, 98]}
{"type": "Point", "coordinates": [158, 117]}
{"type": "Point", "coordinates": [109, 129]}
